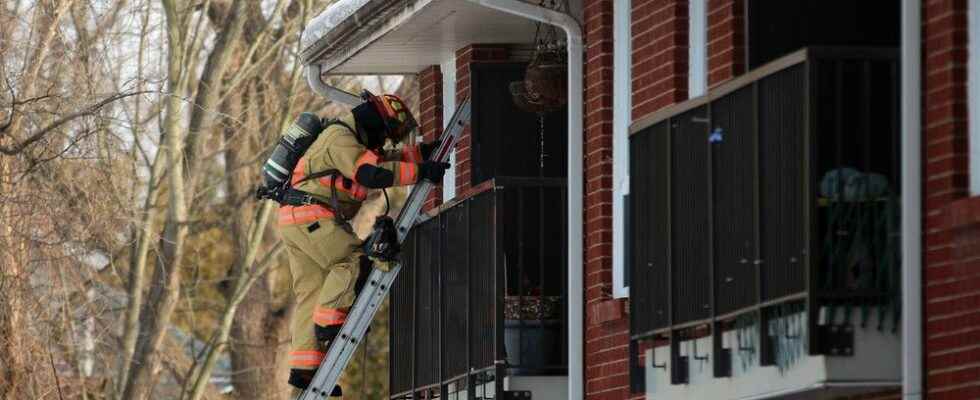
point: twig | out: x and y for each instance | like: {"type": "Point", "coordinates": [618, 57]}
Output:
{"type": "Point", "coordinates": [54, 371]}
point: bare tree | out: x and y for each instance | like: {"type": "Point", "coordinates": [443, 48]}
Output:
{"type": "Point", "coordinates": [134, 263]}
{"type": "Point", "coordinates": [157, 313]}
{"type": "Point", "coordinates": [55, 133]}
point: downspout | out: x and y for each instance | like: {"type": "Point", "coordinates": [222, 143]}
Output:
{"type": "Point", "coordinates": [912, 376]}
{"type": "Point", "coordinates": [314, 77]}
{"type": "Point", "coordinates": [576, 310]}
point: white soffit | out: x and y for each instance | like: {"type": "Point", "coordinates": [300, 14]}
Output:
{"type": "Point", "coordinates": [422, 35]}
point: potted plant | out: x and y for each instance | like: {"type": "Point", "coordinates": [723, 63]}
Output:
{"type": "Point", "coordinates": [532, 329]}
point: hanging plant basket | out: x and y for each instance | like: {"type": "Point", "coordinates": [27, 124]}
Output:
{"type": "Point", "coordinates": [546, 76]}
{"type": "Point", "coordinates": [544, 87]}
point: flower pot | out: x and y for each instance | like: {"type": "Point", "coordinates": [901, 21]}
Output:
{"type": "Point", "coordinates": [532, 331]}
{"type": "Point", "coordinates": [532, 344]}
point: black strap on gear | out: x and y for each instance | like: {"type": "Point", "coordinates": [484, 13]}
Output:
{"type": "Point", "coordinates": [333, 174]}
{"type": "Point", "coordinates": [290, 196]}
{"type": "Point", "coordinates": [296, 197]}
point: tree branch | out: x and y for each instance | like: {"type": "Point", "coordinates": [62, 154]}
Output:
{"type": "Point", "coordinates": [34, 137]}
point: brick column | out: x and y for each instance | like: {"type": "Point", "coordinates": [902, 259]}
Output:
{"type": "Point", "coordinates": [606, 321]}
{"type": "Point", "coordinates": [952, 219]}
{"type": "Point", "coordinates": [430, 118]}
{"type": "Point", "coordinates": [464, 58]}
{"type": "Point", "coordinates": [659, 31]}
{"type": "Point", "coordinates": [726, 40]}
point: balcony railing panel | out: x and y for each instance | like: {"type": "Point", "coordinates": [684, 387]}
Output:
{"type": "Point", "coordinates": [650, 230]}
{"type": "Point", "coordinates": [428, 313]}
{"type": "Point", "coordinates": [401, 370]}
{"type": "Point", "coordinates": [456, 286]}
{"type": "Point", "coordinates": [689, 210]}
{"type": "Point", "coordinates": [778, 188]}
{"type": "Point", "coordinates": [487, 290]}
{"type": "Point", "coordinates": [534, 269]}
{"type": "Point", "coordinates": [782, 129]}
{"type": "Point", "coordinates": [734, 168]}
{"type": "Point", "coordinates": [482, 259]}
{"type": "Point", "coordinates": [857, 129]}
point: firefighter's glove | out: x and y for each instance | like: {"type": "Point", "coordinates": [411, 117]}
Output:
{"type": "Point", "coordinates": [427, 148]}
{"type": "Point", "coordinates": [382, 265]}
{"type": "Point", "coordinates": [433, 171]}
{"type": "Point", "coordinates": [383, 244]}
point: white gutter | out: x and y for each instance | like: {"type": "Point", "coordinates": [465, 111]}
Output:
{"type": "Point", "coordinates": [314, 77]}
{"type": "Point", "coordinates": [576, 310]}
{"type": "Point", "coordinates": [911, 200]}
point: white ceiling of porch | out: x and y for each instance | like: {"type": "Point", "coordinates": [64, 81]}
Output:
{"type": "Point", "coordinates": [425, 36]}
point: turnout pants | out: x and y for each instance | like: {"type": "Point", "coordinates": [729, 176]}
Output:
{"type": "Point", "coordinates": [326, 263]}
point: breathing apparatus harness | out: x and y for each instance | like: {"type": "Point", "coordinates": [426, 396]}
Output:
{"type": "Point", "coordinates": [376, 114]}
{"type": "Point", "coordinates": [291, 147]}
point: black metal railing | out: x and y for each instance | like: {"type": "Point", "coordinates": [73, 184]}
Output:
{"type": "Point", "coordinates": [483, 290]}
{"type": "Point", "coordinates": [778, 189]}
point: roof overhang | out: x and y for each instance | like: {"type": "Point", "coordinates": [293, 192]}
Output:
{"type": "Point", "coordinates": [367, 37]}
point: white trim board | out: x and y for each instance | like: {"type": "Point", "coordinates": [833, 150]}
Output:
{"type": "Point", "coordinates": [622, 118]}
{"type": "Point", "coordinates": [973, 95]}
{"type": "Point", "coordinates": [448, 68]}
{"type": "Point", "coordinates": [697, 53]}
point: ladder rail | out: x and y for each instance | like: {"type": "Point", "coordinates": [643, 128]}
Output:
{"type": "Point", "coordinates": [379, 282]}
{"type": "Point", "coordinates": [343, 348]}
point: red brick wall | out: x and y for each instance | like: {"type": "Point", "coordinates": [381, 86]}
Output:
{"type": "Point", "coordinates": [659, 31]}
{"type": "Point", "coordinates": [659, 34]}
{"type": "Point", "coordinates": [606, 324]}
{"type": "Point", "coordinates": [726, 40]}
{"type": "Point", "coordinates": [952, 219]}
{"type": "Point", "coordinates": [430, 118]}
{"type": "Point", "coordinates": [464, 58]}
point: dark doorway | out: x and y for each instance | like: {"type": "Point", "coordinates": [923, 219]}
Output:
{"type": "Point", "coordinates": [506, 141]}
{"type": "Point", "coordinates": [779, 27]}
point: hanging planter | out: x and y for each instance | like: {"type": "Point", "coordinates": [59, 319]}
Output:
{"type": "Point", "coordinates": [544, 88]}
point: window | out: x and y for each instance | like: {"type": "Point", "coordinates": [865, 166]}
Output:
{"type": "Point", "coordinates": [779, 27]}
{"type": "Point", "coordinates": [622, 105]}
{"type": "Point", "coordinates": [973, 95]}
{"type": "Point", "coordinates": [697, 36]}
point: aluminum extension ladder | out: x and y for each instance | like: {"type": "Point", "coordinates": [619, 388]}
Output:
{"type": "Point", "coordinates": [379, 282]}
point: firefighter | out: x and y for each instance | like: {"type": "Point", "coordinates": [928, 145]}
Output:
{"type": "Point", "coordinates": [344, 159]}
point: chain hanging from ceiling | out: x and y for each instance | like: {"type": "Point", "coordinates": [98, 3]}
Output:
{"type": "Point", "coordinates": [544, 88]}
